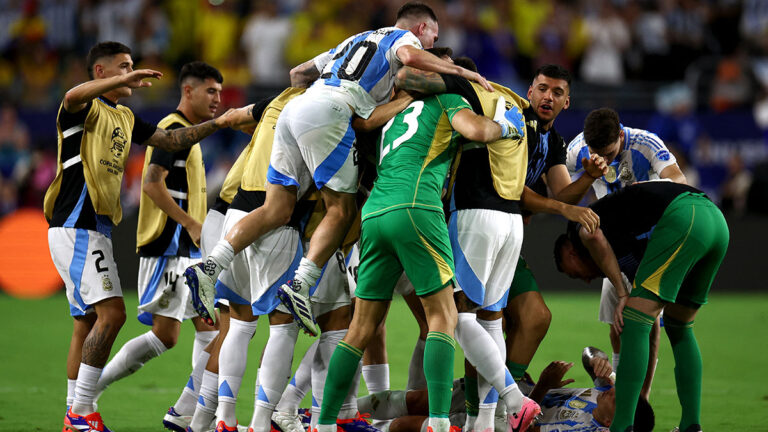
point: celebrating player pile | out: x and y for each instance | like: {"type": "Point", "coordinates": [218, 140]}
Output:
{"type": "Point", "coordinates": [439, 138]}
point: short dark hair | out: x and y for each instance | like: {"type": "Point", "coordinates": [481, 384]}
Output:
{"type": "Point", "coordinates": [415, 10]}
{"type": "Point", "coordinates": [104, 49]}
{"type": "Point", "coordinates": [645, 420]}
{"type": "Point", "coordinates": [200, 70]}
{"type": "Point", "coordinates": [554, 71]}
{"type": "Point", "coordinates": [601, 128]}
{"type": "Point", "coordinates": [440, 51]}
{"type": "Point", "coordinates": [466, 63]}
{"type": "Point", "coordinates": [559, 245]}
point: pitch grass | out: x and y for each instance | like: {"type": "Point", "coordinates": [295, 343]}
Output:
{"type": "Point", "coordinates": [35, 339]}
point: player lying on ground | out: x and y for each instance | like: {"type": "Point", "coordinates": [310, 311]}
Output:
{"type": "Point", "coordinates": [563, 409]}
{"type": "Point", "coordinates": [669, 240]}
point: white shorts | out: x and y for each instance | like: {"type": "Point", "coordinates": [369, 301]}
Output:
{"type": "Point", "coordinates": [609, 299]}
{"type": "Point", "coordinates": [85, 262]}
{"type": "Point", "coordinates": [314, 142]}
{"type": "Point", "coordinates": [486, 246]}
{"type": "Point", "coordinates": [332, 290]}
{"type": "Point", "coordinates": [255, 273]}
{"type": "Point", "coordinates": [162, 290]}
{"type": "Point", "coordinates": [403, 286]}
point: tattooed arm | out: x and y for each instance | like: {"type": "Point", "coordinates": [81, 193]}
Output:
{"type": "Point", "coordinates": [154, 187]}
{"type": "Point", "coordinates": [412, 79]}
{"type": "Point", "coordinates": [304, 74]}
{"type": "Point", "coordinates": [184, 138]}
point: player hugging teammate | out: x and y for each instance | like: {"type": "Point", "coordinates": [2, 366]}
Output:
{"type": "Point", "coordinates": [448, 166]}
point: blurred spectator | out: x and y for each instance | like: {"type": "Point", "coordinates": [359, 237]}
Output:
{"type": "Point", "coordinates": [686, 24]}
{"type": "Point", "coordinates": [152, 35]}
{"type": "Point", "coordinates": [10, 12]}
{"type": "Point", "coordinates": [317, 29]}
{"type": "Point", "coordinates": [14, 144]}
{"type": "Point", "coordinates": [733, 193]}
{"type": "Point", "coordinates": [263, 41]}
{"type": "Point", "coordinates": [608, 39]}
{"type": "Point", "coordinates": [675, 119]}
{"type": "Point", "coordinates": [732, 86]}
{"type": "Point", "coordinates": [650, 32]}
{"type": "Point", "coordinates": [526, 18]}
{"type": "Point", "coordinates": [116, 20]}
{"type": "Point", "coordinates": [38, 68]}
{"type": "Point", "coordinates": [754, 24]}
{"type": "Point", "coordinates": [60, 18]}
{"type": "Point", "coordinates": [217, 32]}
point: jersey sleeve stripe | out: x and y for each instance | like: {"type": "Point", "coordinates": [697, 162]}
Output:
{"type": "Point", "coordinates": [71, 161]}
{"type": "Point", "coordinates": [71, 131]}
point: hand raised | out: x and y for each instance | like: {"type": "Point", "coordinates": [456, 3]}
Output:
{"type": "Point", "coordinates": [135, 79]}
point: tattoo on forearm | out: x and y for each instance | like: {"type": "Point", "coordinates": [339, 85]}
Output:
{"type": "Point", "coordinates": [422, 81]}
{"type": "Point", "coordinates": [97, 345]}
{"type": "Point", "coordinates": [184, 138]}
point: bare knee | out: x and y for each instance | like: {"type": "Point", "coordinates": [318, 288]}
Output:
{"type": "Point", "coordinates": [539, 321]}
{"type": "Point", "coordinates": [112, 316]}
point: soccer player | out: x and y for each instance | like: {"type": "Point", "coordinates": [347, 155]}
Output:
{"type": "Point", "coordinates": [483, 190]}
{"type": "Point", "coordinates": [82, 206]}
{"type": "Point", "coordinates": [403, 228]}
{"type": "Point", "coordinates": [563, 409]}
{"type": "Point", "coordinates": [172, 207]}
{"type": "Point", "coordinates": [669, 240]}
{"type": "Point", "coordinates": [313, 145]}
{"type": "Point", "coordinates": [632, 155]}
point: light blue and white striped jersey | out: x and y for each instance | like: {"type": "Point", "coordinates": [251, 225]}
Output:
{"type": "Point", "coordinates": [361, 70]}
{"type": "Point", "coordinates": [570, 410]}
{"type": "Point", "coordinates": [642, 157]}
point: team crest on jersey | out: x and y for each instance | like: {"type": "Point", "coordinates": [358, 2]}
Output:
{"type": "Point", "coordinates": [106, 284]}
{"type": "Point", "coordinates": [577, 404]}
{"type": "Point", "coordinates": [119, 141]}
{"type": "Point", "coordinates": [164, 301]}
{"type": "Point", "coordinates": [625, 173]}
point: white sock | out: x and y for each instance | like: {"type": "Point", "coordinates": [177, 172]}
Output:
{"type": "Point", "coordinates": [416, 380]}
{"type": "Point", "coordinates": [71, 384]}
{"type": "Point", "coordinates": [301, 383]}
{"type": "Point", "coordinates": [376, 377]}
{"type": "Point", "coordinates": [615, 361]}
{"type": "Point", "coordinates": [131, 358]}
{"type": "Point", "coordinates": [326, 343]}
{"type": "Point", "coordinates": [324, 428]}
{"type": "Point", "coordinates": [185, 405]}
{"type": "Point", "coordinates": [274, 373]}
{"type": "Point", "coordinates": [389, 405]}
{"type": "Point", "coordinates": [220, 258]}
{"type": "Point", "coordinates": [85, 390]}
{"type": "Point", "coordinates": [474, 340]}
{"type": "Point", "coordinates": [206, 402]}
{"type": "Point", "coordinates": [469, 423]}
{"type": "Point", "coordinates": [439, 424]}
{"type": "Point", "coordinates": [487, 395]}
{"type": "Point", "coordinates": [202, 339]}
{"type": "Point", "coordinates": [233, 357]}
{"type": "Point", "coordinates": [308, 273]}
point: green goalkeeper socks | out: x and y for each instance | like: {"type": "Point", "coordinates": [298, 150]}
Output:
{"type": "Point", "coordinates": [688, 369]}
{"type": "Point", "coordinates": [633, 365]}
{"type": "Point", "coordinates": [341, 373]}
{"type": "Point", "coordinates": [472, 400]}
{"type": "Point", "coordinates": [517, 370]}
{"type": "Point", "coordinates": [438, 371]}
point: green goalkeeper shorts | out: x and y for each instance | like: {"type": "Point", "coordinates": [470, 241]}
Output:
{"type": "Point", "coordinates": [407, 239]}
{"type": "Point", "coordinates": [524, 280]}
{"type": "Point", "coordinates": [684, 252]}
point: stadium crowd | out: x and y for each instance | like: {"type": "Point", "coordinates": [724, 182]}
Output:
{"type": "Point", "coordinates": [608, 42]}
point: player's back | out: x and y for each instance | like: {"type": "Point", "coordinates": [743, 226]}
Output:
{"type": "Point", "coordinates": [363, 67]}
{"type": "Point", "coordinates": [414, 155]}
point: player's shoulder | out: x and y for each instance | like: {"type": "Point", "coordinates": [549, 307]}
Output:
{"type": "Point", "coordinates": [643, 138]}
{"type": "Point", "coordinates": [577, 143]}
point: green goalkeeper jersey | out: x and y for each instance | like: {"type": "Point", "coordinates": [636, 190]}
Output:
{"type": "Point", "coordinates": [414, 156]}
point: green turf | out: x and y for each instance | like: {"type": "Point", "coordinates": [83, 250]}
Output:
{"type": "Point", "coordinates": [731, 331]}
